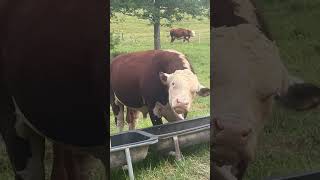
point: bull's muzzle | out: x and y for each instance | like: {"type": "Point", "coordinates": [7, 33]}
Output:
{"type": "Point", "coordinates": [230, 141]}
{"type": "Point", "coordinates": [238, 132]}
{"type": "Point", "coordinates": [181, 106]}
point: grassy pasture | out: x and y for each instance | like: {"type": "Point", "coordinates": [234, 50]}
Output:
{"type": "Point", "coordinates": [137, 36]}
{"type": "Point", "coordinates": [291, 140]}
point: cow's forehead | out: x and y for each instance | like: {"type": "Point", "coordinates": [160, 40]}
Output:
{"type": "Point", "coordinates": [185, 74]}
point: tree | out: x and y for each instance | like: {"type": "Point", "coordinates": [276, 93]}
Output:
{"type": "Point", "coordinates": [156, 10]}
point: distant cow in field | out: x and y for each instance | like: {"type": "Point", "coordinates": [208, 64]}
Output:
{"type": "Point", "coordinates": [180, 33]}
{"type": "Point", "coordinates": [159, 82]}
{"type": "Point", "coordinates": [248, 76]}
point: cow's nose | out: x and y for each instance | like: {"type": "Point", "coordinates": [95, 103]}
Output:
{"type": "Point", "coordinates": [182, 102]}
{"type": "Point", "coordinates": [231, 131]}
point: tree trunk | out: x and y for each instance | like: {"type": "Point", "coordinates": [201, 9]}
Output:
{"type": "Point", "coordinates": [156, 25]}
{"type": "Point", "coordinates": [157, 36]}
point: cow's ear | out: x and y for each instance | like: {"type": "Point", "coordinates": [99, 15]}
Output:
{"type": "Point", "coordinates": [203, 91]}
{"type": "Point", "coordinates": [303, 96]}
{"type": "Point", "coordinates": [164, 77]}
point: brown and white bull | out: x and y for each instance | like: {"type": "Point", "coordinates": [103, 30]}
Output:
{"type": "Point", "coordinates": [247, 76]}
{"type": "Point", "coordinates": [53, 86]}
{"type": "Point", "coordinates": [180, 33]}
{"type": "Point", "coordinates": [159, 82]}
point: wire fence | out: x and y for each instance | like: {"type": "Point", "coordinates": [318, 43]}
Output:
{"type": "Point", "coordinates": [164, 37]}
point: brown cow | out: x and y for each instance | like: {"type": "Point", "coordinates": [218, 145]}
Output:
{"type": "Point", "coordinates": [181, 33]}
{"type": "Point", "coordinates": [247, 75]}
{"type": "Point", "coordinates": [158, 82]}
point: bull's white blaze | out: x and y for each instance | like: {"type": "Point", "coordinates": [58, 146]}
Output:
{"type": "Point", "coordinates": [191, 84]}
{"type": "Point", "coordinates": [182, 57]}
{"type": "Point", "coordinates": [34, 169]}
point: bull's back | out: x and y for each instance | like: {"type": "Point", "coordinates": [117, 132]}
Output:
{"type": "Point", "coordinates": [128, 73]}
{"type": "Point", "coordinates": [179, 32]}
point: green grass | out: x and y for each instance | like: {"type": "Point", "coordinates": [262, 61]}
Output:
{"type": "Point", "coordinates": [290, 142]}
{"type": "Point", "coordinates": [137, 36]}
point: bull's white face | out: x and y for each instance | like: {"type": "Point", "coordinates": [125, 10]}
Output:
{"type": "Point", "coordinates": [183, 86]}
{"type": "Point", "coordinates": [193, 33]}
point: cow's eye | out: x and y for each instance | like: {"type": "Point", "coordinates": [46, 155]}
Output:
{"type": "Point", "coordinates": [172, 83]}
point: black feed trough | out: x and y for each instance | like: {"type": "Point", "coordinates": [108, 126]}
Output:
{"type": "Point", "coordinates": [133, 146]}
{"type": "Point", "coordinates": [136, 142]}
{"type": "Point", "coordinates": [305, 176]}
{"type": "Point", "coordinates": [180, 134]}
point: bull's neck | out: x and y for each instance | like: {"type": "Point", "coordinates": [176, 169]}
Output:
{"type": "Point", "coordinates": [169, 65]}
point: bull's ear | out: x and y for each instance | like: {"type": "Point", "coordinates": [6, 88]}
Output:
{"type": "Point", "coordinates": [303, 96]}
{"type": "Point", "coordinates": [203, 91]}
{"type": "Point", "coordinates": [164, 77]}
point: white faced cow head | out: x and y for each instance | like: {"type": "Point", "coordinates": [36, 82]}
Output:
{"type": "Point", "coordinates": [193, 33]}
{"type": "Point", "coordinates": [183, 86]}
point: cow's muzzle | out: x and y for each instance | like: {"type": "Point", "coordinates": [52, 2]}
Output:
{"type": "Point", "coordinates": [232, 132]}
{"type": "Point", "coordinates": [230, 142]}
{"type": "Point", "coordinates": [181, 106]}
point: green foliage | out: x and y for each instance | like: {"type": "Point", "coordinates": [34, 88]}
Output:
{"type": "Point", "coordinates": [155, 10]}
{"type": "Point", "coordinates": [290, 142]}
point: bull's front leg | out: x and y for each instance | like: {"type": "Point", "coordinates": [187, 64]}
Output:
{"type": "Point", "coordinates": [119, 115]}
{"type": "Point", "coordinates": [25, 147]}
{"type": "Point", "coordinates": [172, 39]}
{"type": "Point", "coordinates": [132, 117]}
{"type": "Point", "coordinates": [242, 167]}
{"type": "Point", "coordinates": [154, 116]}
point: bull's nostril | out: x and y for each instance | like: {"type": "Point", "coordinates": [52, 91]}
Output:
{"type": "Point", "coordinates": [185, 103]}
